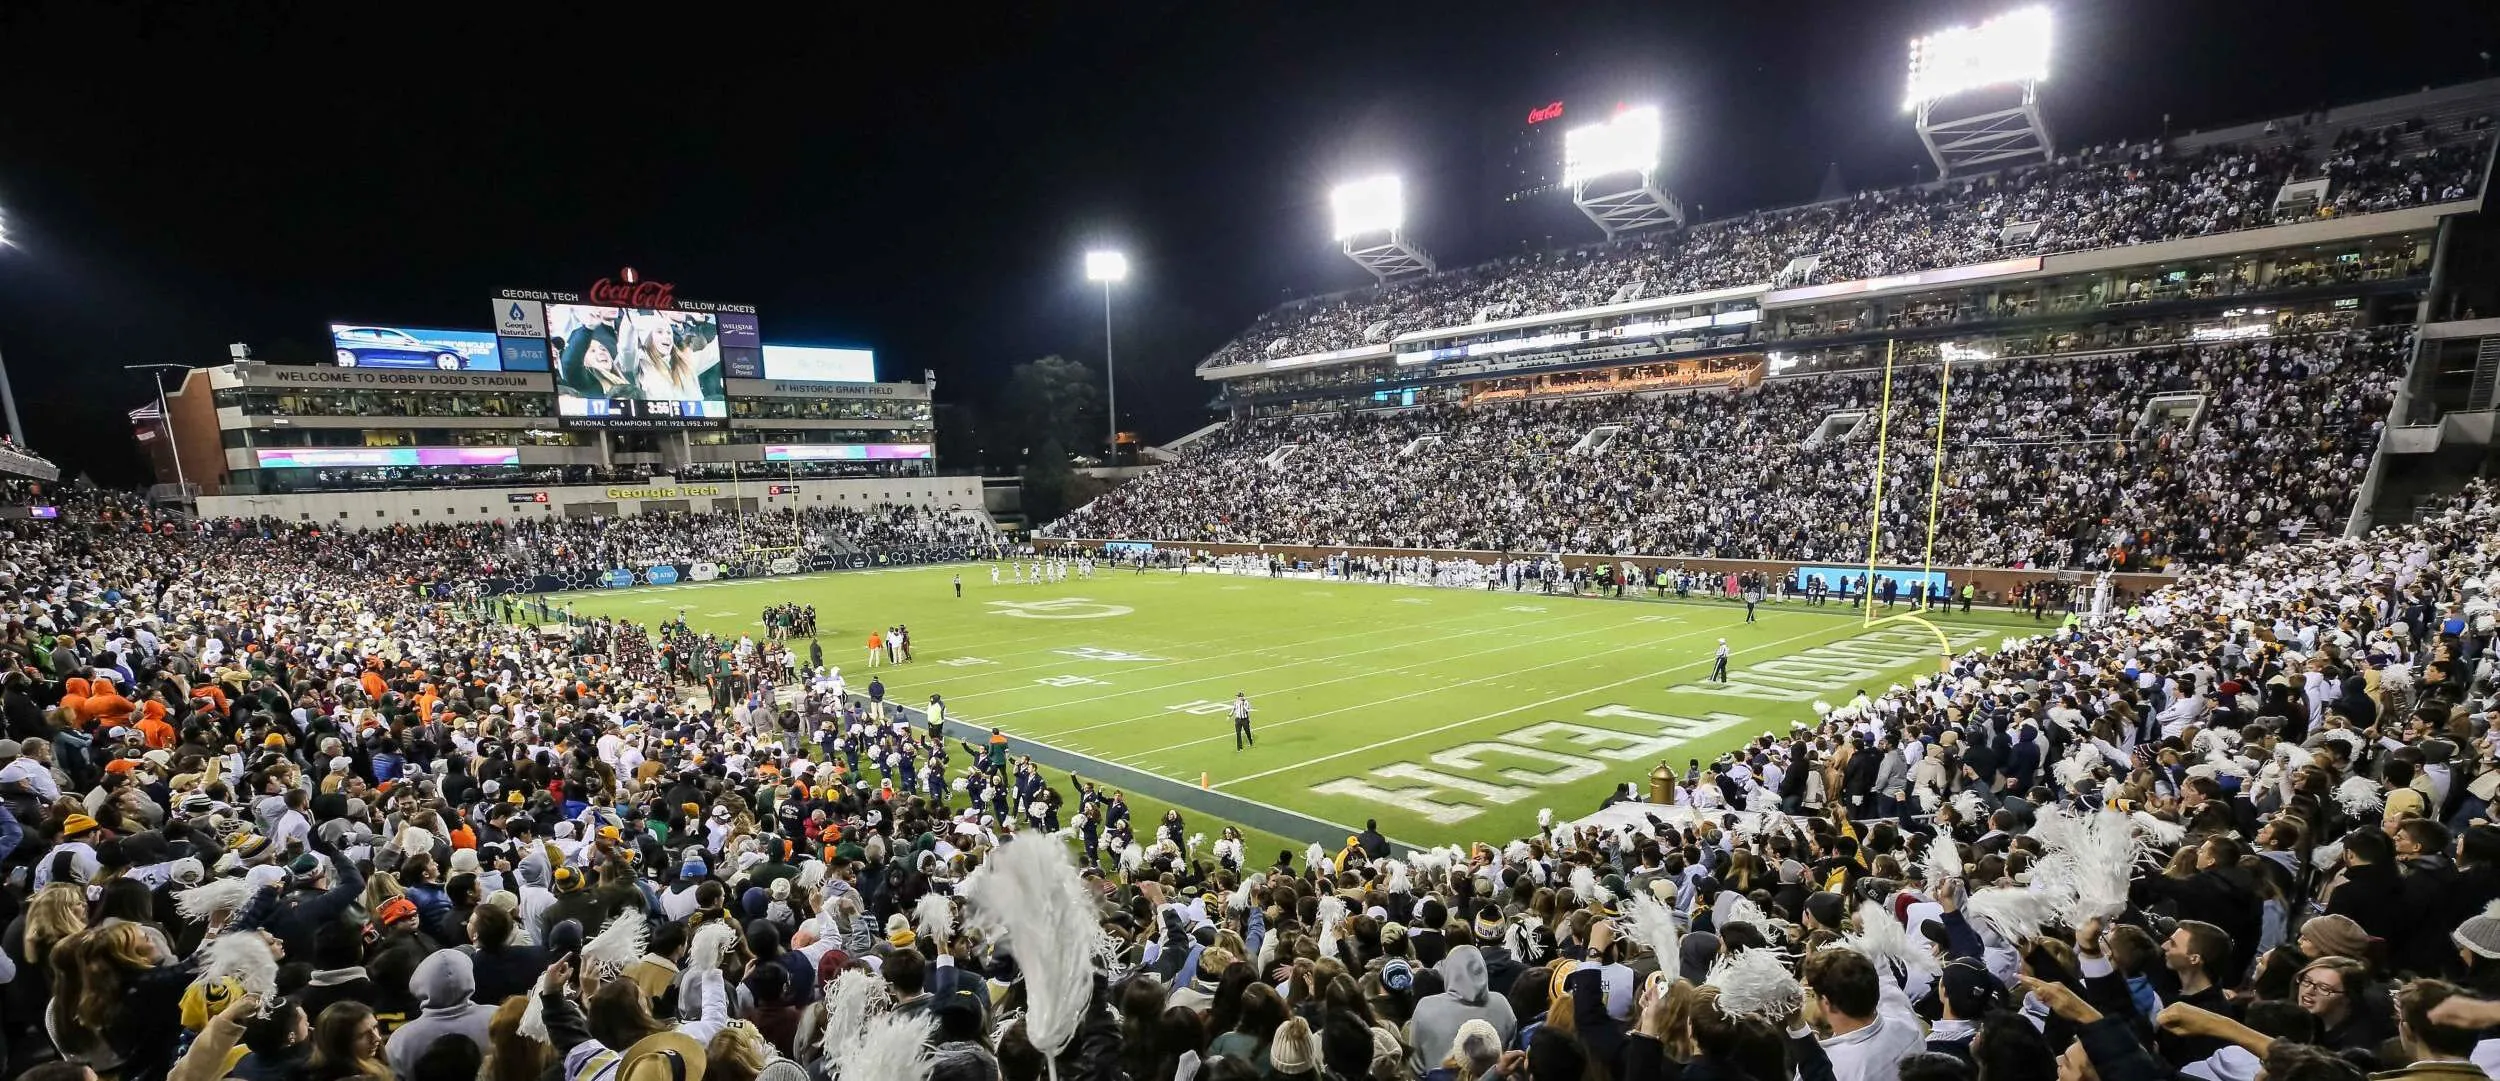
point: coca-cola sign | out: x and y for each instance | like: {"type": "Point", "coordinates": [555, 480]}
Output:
{"type": "Point", "coordinates": [628, 290]}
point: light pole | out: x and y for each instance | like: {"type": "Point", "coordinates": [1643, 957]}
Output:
{"type": "Point", "coordinates": [8, 397]}
{"type": "Point", "coordinates": [165, 419]}
{"type": "Point", "coordinates": [1108, 267]}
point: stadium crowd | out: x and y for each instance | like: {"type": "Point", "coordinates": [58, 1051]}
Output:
{"type": "Point", "coordinates": [2047, 465]}
{"type": "Point", "coordinates": [267, 813]}
{"type": "Point", "coordinates": [2100, 197]}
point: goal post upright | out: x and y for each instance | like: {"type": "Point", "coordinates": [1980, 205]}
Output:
{"type": "Point", "coordinates": [1875, 516]}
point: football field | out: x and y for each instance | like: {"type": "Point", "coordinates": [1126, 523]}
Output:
{"type": "Point", "coordinates": [1445, 714]}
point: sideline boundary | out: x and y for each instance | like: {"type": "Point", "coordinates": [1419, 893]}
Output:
{"type": "Point", "coordinates": [1236, 810]}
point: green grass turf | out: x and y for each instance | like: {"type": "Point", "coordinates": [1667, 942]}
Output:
{"type": "Point", "coordinates": [1448, 715]}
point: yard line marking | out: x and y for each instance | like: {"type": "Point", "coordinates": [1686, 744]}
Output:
{"type": "Point", "coordinates": [1368, 619]}
{"type": "Point", "coordinates": [1371, 628]}
{"type": "Point", "coordinates": [1226, 676]}
{"type": "Point", "coordinates": [1704, 663]}
{"type": "Point", "coordinates": [1372, 673]}
{"type": "Point", "coordinates": [1411, 694]}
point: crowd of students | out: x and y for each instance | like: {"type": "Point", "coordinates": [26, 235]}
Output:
{"type": "Point", "coordinates": [2284, 437]}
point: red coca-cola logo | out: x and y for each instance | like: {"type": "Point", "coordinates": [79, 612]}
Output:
{"type": "Point", "coordinates": [632, 292]}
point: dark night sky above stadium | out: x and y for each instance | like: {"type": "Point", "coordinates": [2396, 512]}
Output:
{"type": "Point", "coordinates": [922, 179]}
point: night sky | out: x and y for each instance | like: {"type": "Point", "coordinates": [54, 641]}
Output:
{"type": "Point", "coordinates": [922, 179]}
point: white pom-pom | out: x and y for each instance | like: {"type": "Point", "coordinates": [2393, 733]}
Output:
{"type": "Point", "coordinates": [1132, 857]}
{"type": "Point", "coordinates": [934, 918]}
{"type": "Point", "coordinates": [1822, 708]}
{"type": "Point", "coordinates": [2360, 797]}
{"type": "Point", "coordinates": [2013, 913]}
{"type": "Point", "coordinates": [1400, 881]}
{"type": "Point", "coordinates": [1944, 862]}
{"type": "Point", "coordinates": [1651, 923]}
{"type": "Point", "coordinates": [894, 1047]}
{"type": "Point", "coordinates": [1732, 908]}
{"type": "Point", "coordinates": [1884, 941]}
{"type": "Point", "coordinates": [1586, 886]}
{"type": "Point", "coordinates": [2087, 866]}
{"type": "Point", "coordinates": [620, 943]}
{"type": "Point", "coordinates": [1332, 910]}
{"type": "Point", "coordinates": [215, 903]}
{"type": "Point", "coordinates": [246, 958]}
{"type": "Point", "coordinates": [533, 1026]}
{"type": "Point", "coordinates": [849, 1001]}
{"type": "Point", "coordinates": [1545, 818]}
{"type": "Point", "coordinates": [1753, 983]}
{"type": "Point", "coordinates": [711, 942]}
{"type": "Point", "coordinates": [2326, 856]}
{"type": "Point", "coordinates": [1314, 855]}
{"type": "Point", "coordinates": [1028, 898]}
{"type": "Point", "coordinates": [1970, 805]}
{"type": "Point", "coordinates": [2156, 831]}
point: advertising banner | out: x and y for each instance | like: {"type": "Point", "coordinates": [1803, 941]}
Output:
{"type": "Point", "coordinates": [848, 452]}
{"type": "Point", "coordinates": [377, 457]}
{"type": "Point", "coordinates": [704, 572]}
{"type": "Point", "coordinates": [1909, 577]}
{"type": "Point", "coordinates": [521, 319]}
{"type": "Point", "coordinates": [784, 565]}
{"type": "Point", "coordinates": [362, 345]}
{"type": "Point", "coordinates": [525, 497]}
{"type": "Point", "coordinates": [818, 364]}
{"type": "Point", "coordinates": [523, 354]}
{"type": "Point", "coordinates": [661, 575]}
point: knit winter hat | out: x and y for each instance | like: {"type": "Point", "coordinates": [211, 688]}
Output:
{"type": "Point", "coordinates": [2479, 934]}
{"type": "Point", "coordinates": [1293, 1049]}
{"type": "Point", "coordinates": [2342, 937]}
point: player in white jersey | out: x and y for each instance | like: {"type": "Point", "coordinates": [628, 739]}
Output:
{"type": "Point", "coordinates": [993, 574]}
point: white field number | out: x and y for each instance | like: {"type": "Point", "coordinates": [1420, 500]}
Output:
{"type": "Point", "coordinates": [1070, 681]}
{"type": "Point", "coordinates": [1199, 708]}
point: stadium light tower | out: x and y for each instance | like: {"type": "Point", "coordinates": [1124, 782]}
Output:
{"type": "Point", "coordinates": [1109, 268]}
{"type": "Point", "coordinates": [1371, 223]}
{"type": "Point", "coordinates": [8, 396]}
{"type": "Point", "coordinates": [1975, 90]}
{"type": "Point", "coordinates": [1612, 168]}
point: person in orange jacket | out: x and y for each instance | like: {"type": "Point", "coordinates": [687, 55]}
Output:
{"type": "Point", "coordinates": [159, 735]}
{"type": "Point", "coordinates": [74, 697]}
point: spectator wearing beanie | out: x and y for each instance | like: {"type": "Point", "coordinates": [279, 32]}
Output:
{"type": "Point", "coordinates": [1293, 1053]}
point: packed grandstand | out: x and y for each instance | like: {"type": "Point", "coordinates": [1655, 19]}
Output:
{"type": "Point", "coordinates": [294, 798]}
{"type": "Point", "coordinates": [2100, 197]}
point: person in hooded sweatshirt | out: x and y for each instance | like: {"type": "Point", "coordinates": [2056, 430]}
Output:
{"type": "Point", "coordinates": [1437, 1018]}
{"type": "Point", "coordinates": [443, 984]}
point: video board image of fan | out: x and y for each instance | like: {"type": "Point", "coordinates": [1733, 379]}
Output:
{"type": "Point", "coordinates": [636, 367]}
